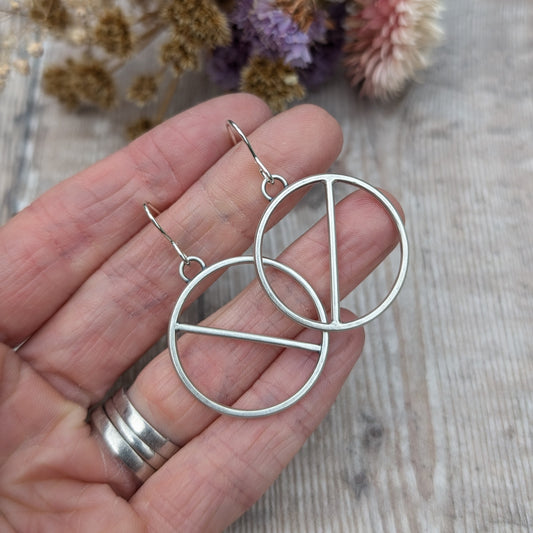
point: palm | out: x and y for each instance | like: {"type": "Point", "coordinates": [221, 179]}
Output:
{"type": "Point", "coordinates": [89, 287]}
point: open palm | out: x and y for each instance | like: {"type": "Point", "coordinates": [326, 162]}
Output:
{"type": "Point", "coordinates": [88, 284]}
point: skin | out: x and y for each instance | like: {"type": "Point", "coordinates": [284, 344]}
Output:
{"type": "Point", "coordinates": [89, 284]}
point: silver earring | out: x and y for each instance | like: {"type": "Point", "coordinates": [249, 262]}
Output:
{"type": "Point", "coordinates": [324, 324]}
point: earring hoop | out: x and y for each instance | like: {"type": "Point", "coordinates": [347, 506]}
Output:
{"type": "Point", "coordinates": [335, 324]}
{"type": "Point", "coordinates": [176, 326]}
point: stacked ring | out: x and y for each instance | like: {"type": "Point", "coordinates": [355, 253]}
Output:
{"type": "Point", "coordinates": [130, 437]}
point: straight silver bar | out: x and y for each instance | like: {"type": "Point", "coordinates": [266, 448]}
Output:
{"type": "Point", "coordinates": [330, 206]}
{"type": "Point", "coordinates": [276, 341]}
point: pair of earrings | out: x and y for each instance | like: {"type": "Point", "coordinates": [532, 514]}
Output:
{"type": "Point", "coordinates": [324, 323]}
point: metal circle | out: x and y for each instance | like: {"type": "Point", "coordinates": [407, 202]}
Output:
{"type": "Point", "coordinates": [183, 264]}
{"type": "Point", "coordinates": [335, 324]}
{"type": "Point", "coordinates": [275, 177]}
{"type": "Point", "coordinates": [175, 327]}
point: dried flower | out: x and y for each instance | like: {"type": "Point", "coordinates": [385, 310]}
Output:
{"type": "Point", "coordinates": [272, 80]}
{"type": "Point", "coordinates": [179, 54]}
{"type": "Point", "coordinates": [112, 32]}
{"type": "Point", "coordinates": [57, 82]}
{"type": "Point", "coordinates": [78, 36]}
{"type": "Point", "coordinates": [35, 49]}
{"type": "Point", "coordinates": [51, 14]}
{"type": "Point", "coordinates": [303, 12]}
{"type": "Point", "coordinates": [143, 89]}
{"type": "Point", "coordinates": [226, 5]}
{"type": "Point", "coordinates": [140, 126]}
{"type": "Point", "coordinates": [226, 62]}
{"type": "Point", "coordinates": [255, 24]}
{"type": "Point", "coordinates": [4, 73]}
{"type": "Point", "coordinates": [94, 83]}
{"type": "Point", "coordinates": [325, 55]}
{"type": "Point", "coordinates": [387, 41]}
{"type": "Point", "coordinates": [21, 66]}
{"type": "Point", "coordinates": [201, 22]}
{"type": "Point", "coordinates": [4, 70]}
{"type": "Point", "coordinates": [273, 48]}
{"type": "Point", "coordinates": [80, 82]}
{"type": "Point", "coordinates": [271, 32]}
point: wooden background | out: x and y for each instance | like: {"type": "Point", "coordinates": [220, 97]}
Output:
{"type": "Point", "coordinates": [434, 429]}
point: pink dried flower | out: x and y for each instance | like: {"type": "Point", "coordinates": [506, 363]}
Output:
{"type": "Point", "coordinates": [387, 41]}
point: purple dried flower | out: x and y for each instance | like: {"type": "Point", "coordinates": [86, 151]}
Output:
{"type": "Point", "coordinates": [239, 15]}
{"type": "Point", "coordinates": [226, 62]}
{"type": "Point", "coordinates": [325, 55]}
{"type": "Point", "coordinates": [278, 32]}
{"type": "Point", "coordinates": [271, 32]}
{"type": "Point", "coordinates": [279, 35]}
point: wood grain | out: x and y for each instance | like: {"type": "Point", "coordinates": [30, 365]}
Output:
{"type": "Point", "coordinates": [432, 431]}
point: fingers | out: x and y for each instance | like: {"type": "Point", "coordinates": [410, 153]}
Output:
{"type": "Point", "coordinates": [50, 248]}
{"type": "Point", "coordinates": [53, 473]}
{"type": "Point", "coordinates": [123, 307]}
{"type": "Point", "coordinates": [225, 469]}
{"type": "Point", "coordinates": [225, 370]}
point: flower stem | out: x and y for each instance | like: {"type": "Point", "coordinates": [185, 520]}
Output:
{"type": "Point", "coordinates": [164, 103]}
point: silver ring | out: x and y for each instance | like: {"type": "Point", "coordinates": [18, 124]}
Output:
{"type": "Point", "coordinates": [130, 437]}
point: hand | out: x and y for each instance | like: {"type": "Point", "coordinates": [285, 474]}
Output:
{"type": "Point", "coordinates": [90, 283]}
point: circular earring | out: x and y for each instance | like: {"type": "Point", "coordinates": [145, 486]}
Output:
{"type": "Point", "coordinates": [325, 325]}
{"type": "Point", "coordinates": [176, 326]}
{"type": "Point", "coordinates": [335, 324]}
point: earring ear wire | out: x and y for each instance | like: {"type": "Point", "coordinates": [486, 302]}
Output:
{"type": "Point", "coordinates": [268, 177]}
{"type": "Point", "coordinates": [232, 129]}
{"type": "Point", "coordinates": [185, 259]}
{"type": "Point", "coordinates": [150, 210]}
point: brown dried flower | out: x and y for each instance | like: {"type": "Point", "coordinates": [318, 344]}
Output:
{"type": "Point", "coordinates": [112, 33]}
{"type": "Point", "coordinates": [226, 5]}
{"type": "Point", "coordinates": [57, 82]}
{"type": "Point", "coordinates": [140, 126]}
{"type": "Point", "coordinates": [179, 54]}
{"type": "Point", "coordinates": [78, 36]}
{"type": "Point", "coordinates": [4, 70]}
{"type": "Point", "coordinates": [4, 73]}
{"type": "Point", "coordinates": [303, 12]}
{"type": "Point", "coordinates": [86, 81]}
{"type": "Point", "coordinates": [273, 81]}
{"type": "Point", "coordinates": [201, 22]}
{"type": "Point", "coordinates": [51, 14]}
{"type": "Point", "coordinates": [94, 83]}
{"type": "Point", "coordinates": [143, 89]}
{"type": "Point", "coordinates": [35, 49]}
{"type": "Point", "coordinates": [21, 66]}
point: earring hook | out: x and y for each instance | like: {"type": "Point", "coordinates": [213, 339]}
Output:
{"type": "Point", "coordinates": [150, 210]}
{"type": "Point", "coordinates": [185, 259]}
{"type": "Point", "coordinates": [232, 129]}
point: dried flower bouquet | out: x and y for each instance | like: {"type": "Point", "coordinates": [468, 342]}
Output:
{"type": "Point", "coordinates": [277, 49]}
